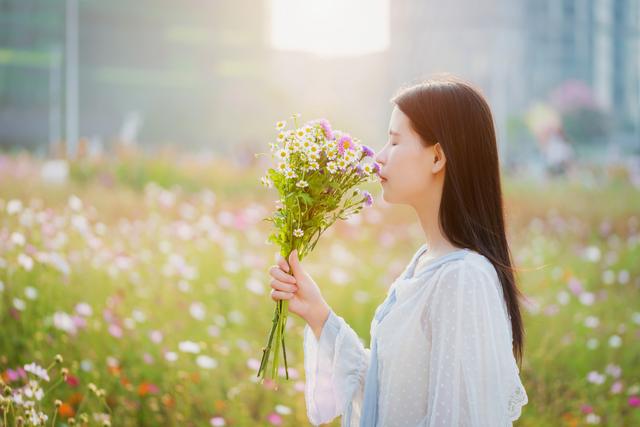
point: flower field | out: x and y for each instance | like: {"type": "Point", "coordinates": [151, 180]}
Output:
{"type": "Point", "coordinates": [136, 294]}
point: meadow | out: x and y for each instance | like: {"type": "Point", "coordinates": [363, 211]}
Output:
{"type": "Point", "coordinates": [142, 284]}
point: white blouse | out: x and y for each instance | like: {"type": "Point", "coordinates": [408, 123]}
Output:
{"type": "Point", "coordinates": [444, 353]}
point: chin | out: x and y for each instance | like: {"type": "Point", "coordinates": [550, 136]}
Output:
{"type": "Point", "coordinates": [386, 198]}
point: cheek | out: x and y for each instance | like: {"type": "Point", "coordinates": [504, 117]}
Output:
{"type": "Point", "coordinates": [408, 174]}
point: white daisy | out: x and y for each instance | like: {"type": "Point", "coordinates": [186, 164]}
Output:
{"type": "Point", "coordinates": [290, 173]}
{"type": "Point", "coordinates": [298, 232]}
{"type": "Point", "coordinates": [294, 146]}
{"type": "Point", "coordinates": [281, 125]}
{"type": "Point", "coordinates": [282, 154]}
{"type": "Point", "coordinates": [332, 167]}
{"type": "Point", "coordinates": [302, 184]}
{"type": "Point", "coordinates": [349, 156]}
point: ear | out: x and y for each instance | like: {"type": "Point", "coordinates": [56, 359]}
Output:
{"type": "Point", "coordinates": [439, 159]}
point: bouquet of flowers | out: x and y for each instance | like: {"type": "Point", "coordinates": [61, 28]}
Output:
{"type": "Point", "coordinates": [315, 171]}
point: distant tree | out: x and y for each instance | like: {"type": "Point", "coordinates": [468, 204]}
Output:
{"type": "Point", "coordinates": [584, 121]}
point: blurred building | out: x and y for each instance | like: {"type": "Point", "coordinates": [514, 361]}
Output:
{"type": "Point", "coordinates": [203, 73]}
{"type": "Point", "coordinates": [518, 52]}
{"type": "Point", "coordinates": [180, 67]}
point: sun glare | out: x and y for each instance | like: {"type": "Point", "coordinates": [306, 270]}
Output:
{"type": "Point", "coordinates": [330, 28]}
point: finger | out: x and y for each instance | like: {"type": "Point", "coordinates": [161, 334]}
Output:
{"type": "Point", "coordinates": [280, 286]}
{"type": "Point", "coordinates": [282, 263]}
{"type": "Point", "coordinates": [277, 273]}
{"type": "Point", "coordinates": [279, 295]}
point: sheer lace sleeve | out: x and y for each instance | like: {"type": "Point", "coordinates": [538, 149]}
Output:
{"type": "Point", "coordinates": [335, 367]}
{"type": "Point", "coordinates": [473, 376]}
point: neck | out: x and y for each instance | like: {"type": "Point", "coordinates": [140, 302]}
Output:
{"type": "Point", "coordinates": [437, 243]}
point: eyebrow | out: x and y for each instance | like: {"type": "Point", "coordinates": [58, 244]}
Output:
{"type": "Point", "coordinates": [392, 132]}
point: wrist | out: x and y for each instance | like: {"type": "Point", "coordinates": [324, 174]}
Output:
{"type": "Point", "coordinates": [318, 317]}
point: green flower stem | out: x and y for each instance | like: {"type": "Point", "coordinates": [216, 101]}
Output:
{"type": "Point", "coordinates": [277, 331]}
{"type": "Point", "coordinates": [267, 349]}
{"type": "Point", "coordinates": [277, 347]}
{"type": "Point", "coordinates": [54, 385]}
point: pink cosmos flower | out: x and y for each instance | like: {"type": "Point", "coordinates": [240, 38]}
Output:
{"type": "Point", "coordinates": [115, 330]}
{"type": "Point", "coordinates": [274, 419]}
{"type": "Point", "coordinates": [586, 409]}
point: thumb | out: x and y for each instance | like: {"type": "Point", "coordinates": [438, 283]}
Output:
{"type": "Point", "coordinates": [294, 262]}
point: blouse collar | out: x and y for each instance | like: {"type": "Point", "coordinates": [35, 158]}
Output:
{"type": "Point", "coordinates": [410, 279]}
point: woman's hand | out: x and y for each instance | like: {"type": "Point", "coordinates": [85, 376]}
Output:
{"type": "Point", "coordinates": [302, 292]}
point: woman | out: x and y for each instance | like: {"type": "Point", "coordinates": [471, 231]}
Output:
{"type": "Point", "coordinates": [446, 339]}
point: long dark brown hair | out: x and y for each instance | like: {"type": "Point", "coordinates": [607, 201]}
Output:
{"type": "Point", "coordinates": [449, 110]}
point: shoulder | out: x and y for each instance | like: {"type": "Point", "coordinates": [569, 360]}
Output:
{"type": "Point", "coordinates": [473, 263]}
{"type": "Point", "coordinates": [472, 270]}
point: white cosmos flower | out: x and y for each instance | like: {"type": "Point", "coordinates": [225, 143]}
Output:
{"type": "Point", "coordinates": [206, 362]}
{"type": "Point", "coordinates": [197, 310]}
{"type": "Point", "coordinates": [283, 410]}
{"type": "Point", "coordinates": [615, 341]}
{"type": "Point", "coordinates": [30, 292]}
{"type": "Point", "coordinates": [18, 238]}
{"type": "Point", "coordinates": [75, 203]}
{"type": "Point", "coordinates": [37, 370]}
{"type": "Point", "coordinates": [19, 304]}
{"type": "Point", "coordinates": [14, 206]}
{"type": "Point", "coordinates": [25, 261]}
{"type": "Point", "coordinates": [189, 347]}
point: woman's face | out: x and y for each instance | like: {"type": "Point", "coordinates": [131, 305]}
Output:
{"type": "Point", "coordinates": [408, 173]}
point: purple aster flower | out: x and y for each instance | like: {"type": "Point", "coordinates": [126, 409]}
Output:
{"type": "Point", "coordinates": [326, 127]}
{"type": "Point", "coordinates": [359, 170]}
{"type": "Point", "coordinates": [368, 199]}
{"type": "Point", "coordinates": [345, 143]}
{"type": "Point", "coordinates": [368, 152]}
{"type": "Point", "coordinates": [376, 168]}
